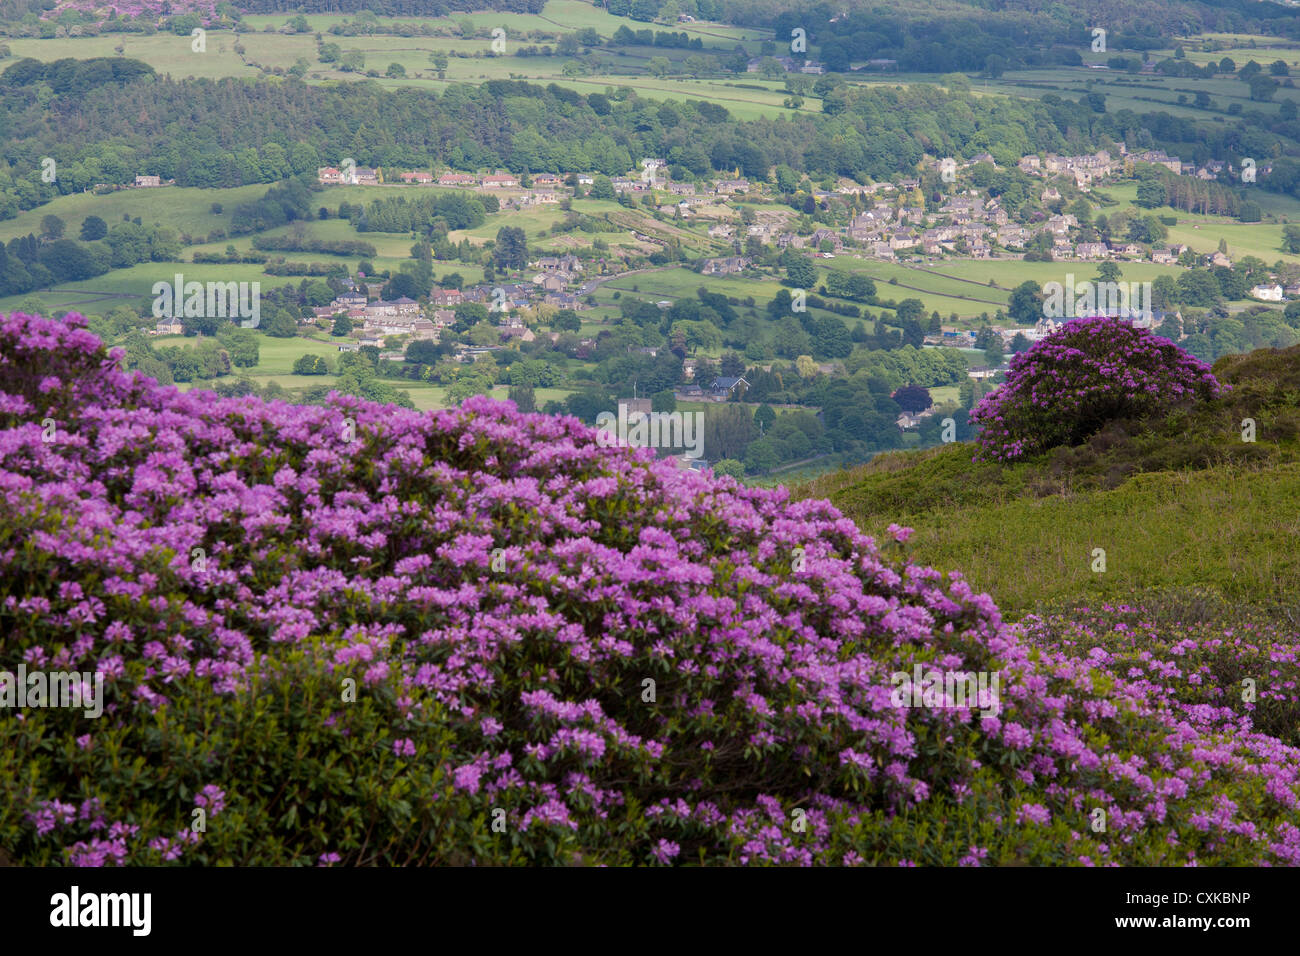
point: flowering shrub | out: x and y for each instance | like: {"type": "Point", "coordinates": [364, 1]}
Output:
{"type": "Point", "coordinates": [1223, 676]}
{"type": "Point", "coordinates": [479, 636]}
{"type": "Point", "coordinates": [1076, 380]}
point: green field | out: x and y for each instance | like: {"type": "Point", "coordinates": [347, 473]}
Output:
{"type": "Point", "coordinates": [1220, 528]}
{"type": "Point", "coordinates": [1202, 233]}
{"type": "Point", "coordinates": [470, 57]}
{"type": "Point", "coordinates": [275, 364]}
{"type": "Point", "coordinates": [184, 210]}
{"type": "Point", "coordinates": [677, 282]}
{"type": "Point", "coordinates": [556, 16]}
{"type": "Point", "coordinates": [1142, 93]}
{"type": "Point", "coordinates": [133, 287]}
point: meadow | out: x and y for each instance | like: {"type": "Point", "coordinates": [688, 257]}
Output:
{"type": "Point", "coordinates": [132, 287]}
{"type": "Point", "coordinates": [1225, 529]}
{"type": "Point", "coordinates": [268, 46]}
{"type": "Point", "coordinates": [182, 209]}
{"type": "Point", "coordinates": [1141, 93]}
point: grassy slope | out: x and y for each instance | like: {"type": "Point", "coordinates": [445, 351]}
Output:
{"type": "Point", "coordinates": [1175, 504]}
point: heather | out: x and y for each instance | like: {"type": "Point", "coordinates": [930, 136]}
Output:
{"type": "Point", "coordinates": [1075, 381]}
{"type": "Point", "coordinates": [357, 634]}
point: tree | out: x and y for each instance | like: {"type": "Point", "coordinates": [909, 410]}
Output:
{"type": "Point", "coordinates": [52, 227]}
{"type": "Point", "coordinates": [1108, 272]}
{"type": "Point", "coordinates": [800, 271]}
{"type": "Point", "coordinates": [472, 381]}
{"type": "Point", "coordinates": [664, 400]}
{"type": "Point", "coordinates": [68, 260]}
{"type": "Point", "coordinates": [402, 285]}
{"type": "Point", "coordinates": [469, 314]}
{"type": "Point", "coordinates": [281, 325]}
{"type": "Point", "coordinates": [1025, 304]}
{"type": "Point", "coordinates": [566, 320]}
{"type": "Point", "coordinates": [585, 405]}
{"type": "Point", "coordinates": [342, 326]}
{"type": "Point", "coordinates": [1262, 88]}
{"type": "Point", "coordinates": [1199, 287]}
{"type": "Point", "coordinates": [910, 310]}
{"type": "Point", "coordinates": [395, 71]}
{"type": "Point", "coordinates": [422, 352]}
{"type": "Point", "coordinates": [790, 339]}
{"type": "Point", "coordinates": [993, 353]}
{"type": "Point", "coordinates": [310, 365]}
{"type": "Point", "coordinates": [92, 228]}
{"type": "Point", "coordinates": [1291, 240]}
{"type": "Point", "coordinates": [728, 430]}
{"type": "Point", "coordinates": [761, 456]}
{"type": "Point", "coordinates": [523, 397]}
{"type": "Point", "coordinates": [913, 398]}
{"type": "Point", "coordinates": [511, 251]}
{"type": "Point", "coordinates": [1151, 194]}
{"type": "Point", "coordinates": [241, 344]}
{"type": "Point", "coordinates": [659, 66]}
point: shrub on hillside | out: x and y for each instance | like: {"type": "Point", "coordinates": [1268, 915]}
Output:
{"type": "Point", "coordinates": [367, 635]}
{"type": "Point", "coordinates": [1073, 382]}
{"type": "Point", "coordinates": [310, 365]}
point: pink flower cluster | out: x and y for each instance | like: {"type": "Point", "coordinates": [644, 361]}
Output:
{"type": "Point", "coordinates": [1076, 380]}
{"type": "Point", "coordinates": [645, 641]}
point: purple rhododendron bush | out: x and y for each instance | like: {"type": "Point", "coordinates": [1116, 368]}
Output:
{"type": "Point", "coordinates": [1073, 382]}
{"type": "Point", "coordinates": [363, 635]}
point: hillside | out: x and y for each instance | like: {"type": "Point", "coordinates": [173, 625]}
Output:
{"type": "Point", "coordinates": [1178, 501]}
{"type": "Point", "coordinates": [367, 635]}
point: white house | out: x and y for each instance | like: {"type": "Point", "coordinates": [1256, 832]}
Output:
{"type": "Point", "coordinates": [1267, 293]}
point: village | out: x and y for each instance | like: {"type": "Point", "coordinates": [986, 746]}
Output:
{"type": "Point", "coordinates": [885, 221]}
{"type": "Point", "coordinates": [895, 227]}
